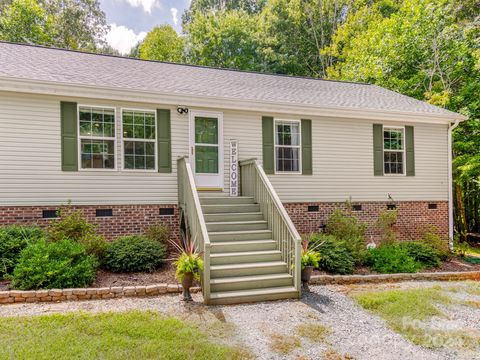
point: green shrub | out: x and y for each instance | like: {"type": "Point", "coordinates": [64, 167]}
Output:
{"type": "Point", "coordinates": [158, 232]}
{"type": "Point", "coordinates": [389, 259]}
{"type": "Point", "coordinates": [349, 229]}
{"type": "Point", "coordinates": [421, 253]}
{"type": "Point", "coordinates": [13, 239]}
{"type": "Point", "coordinates": [61, 264]}
{"type": "Point", "coordinates": [385, 224]}
{"type": "Point", "coordinates": [439, 244]}
{"type": "Point", "coordinates": [334, 254]}
{"type": "Point", "coordinates": [75, 227]}
{"type": "Point", "coordinates": [134, 253]}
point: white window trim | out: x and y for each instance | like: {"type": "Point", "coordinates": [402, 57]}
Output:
{"type": "Point", "coordinates": [292, 146]}
{"type": "Point", "coordinates": [404, 165]}
{"type": "Point", "coordinates": [83, 137]}
{"type": "Point", "coordinates": [123, 139]}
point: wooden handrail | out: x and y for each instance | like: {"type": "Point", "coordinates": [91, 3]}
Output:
{"type": "Point", "coordinates": [255, 183]}
{"type": "Point", "coordinates": [189, 203]}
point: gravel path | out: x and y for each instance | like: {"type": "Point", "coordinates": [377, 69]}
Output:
{"type": "Point", "coordinates": [262, 327]}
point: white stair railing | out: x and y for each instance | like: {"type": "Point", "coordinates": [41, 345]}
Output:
{"type": "Point", "coordinates": [189, 203]}
{"type": "Point", "coordinates": [254, 182]}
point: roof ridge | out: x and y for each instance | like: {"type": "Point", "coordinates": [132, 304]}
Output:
{"type": "Point", "coordinates": [180, 64]}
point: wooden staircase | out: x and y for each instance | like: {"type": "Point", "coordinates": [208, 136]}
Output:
{"type": "Point", "coordinates": [251, 250]}
{"type": "Point", "coordinates": [245, 264]}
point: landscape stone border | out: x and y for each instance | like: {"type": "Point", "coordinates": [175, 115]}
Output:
{"type": "Point", "coordinates": [381, 278]}
{"type": "Point", "coordinates": [55, 295]}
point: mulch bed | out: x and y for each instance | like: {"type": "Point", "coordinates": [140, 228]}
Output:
{"type": "Point", "coordinates": [165, 274]}
{"type": "Point", "coordinates": [455, 265]}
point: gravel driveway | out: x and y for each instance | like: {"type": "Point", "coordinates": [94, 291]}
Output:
{"type": "Point", "coordinates": [264, 329]}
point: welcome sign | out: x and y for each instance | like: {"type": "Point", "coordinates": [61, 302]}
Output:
{"type": "Point", "coordinates": [233, 167]}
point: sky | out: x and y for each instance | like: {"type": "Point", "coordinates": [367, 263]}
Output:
{"type": "Point", "coordinates": [130, 20]}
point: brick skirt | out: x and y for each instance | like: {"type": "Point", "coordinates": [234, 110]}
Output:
{"type": "Point", "coordinates": [413, 217]}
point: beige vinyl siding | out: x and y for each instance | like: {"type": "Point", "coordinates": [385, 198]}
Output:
{"type": "Point", "coordinates": [30, 166]}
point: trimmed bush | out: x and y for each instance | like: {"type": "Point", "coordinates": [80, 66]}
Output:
{"type": "Point", "coordinates": [348, 228]}
{"type": "Point", "coordinates": [422, 253]}
{"type": "Point", "coordinates": [47, 265]}
{"type": "Point", "coordinates": [441, 247]}
{"type": "Point", "coordinates": [389, 259]}
{"type": "Point", "coordinates": [134, 253]}
{"type": "Point", "coordinates": [75, 227]}
{"type": "Point", "coordinates": [13, 239]}
{"type": "Point", "coordinates": [334, 255]}
{"type": "Point", "coordinates": [158, 232]}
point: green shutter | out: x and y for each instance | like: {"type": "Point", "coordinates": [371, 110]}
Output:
{"type": "Point", "coordinates": [268, 145]}
{"type": "Point", "coordinates": [164, 141]}
{"type": "Point", "coordinates": [410, 150]}
{"type": "Point", "coordinates": [378, 149]}
{"type": "Point", "coordinates": [307, 147]}
{"type": "Point", "coordinates": [68, 113]}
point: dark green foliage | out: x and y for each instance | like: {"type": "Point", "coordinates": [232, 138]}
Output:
{"type": "Point", "coordinates": [134, 253]}
{"type": "Point", "coordinates": [47, 265]}
{"type": "Point", "coordinates": [422, 253]}
{"type": "Point", "coordinates": [349, 229]}
{"type": "Point", "coordinates": [72, 225]}
{"type": "Point", "coordinates": [158, 232]}
{"type": "Point", "coordinates": [389, 259]}
{"type": "Point", "coordinates": [439, 244]}
{"type": "Point", "coordinates": [13, 239]}
{"type": "Point", "coordinates": [334, 254]}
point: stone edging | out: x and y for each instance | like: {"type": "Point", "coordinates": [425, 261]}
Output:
{"type": "Point", "coordinates": [55, 295]}
{"type": "Point", "coordinates": [359, 279]}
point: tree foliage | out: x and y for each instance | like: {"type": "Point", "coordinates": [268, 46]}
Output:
{"type": "Point", "coordinates": [162, 43]}
{"type": "Point", "coordinates": [69, 24]}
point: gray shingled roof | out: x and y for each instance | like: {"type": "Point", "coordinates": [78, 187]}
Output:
{"type": "Point", "coordinates": [56, 65]}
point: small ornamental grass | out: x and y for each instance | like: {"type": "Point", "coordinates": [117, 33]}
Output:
{"type": "Point", "coordinates": [13, 239]}
{"type": "Point", "coordinates": [61, 264]}
{"type": "Point", "coordinates": [134, 254]}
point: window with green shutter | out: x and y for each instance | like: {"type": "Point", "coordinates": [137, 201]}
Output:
{"type": "Point", "coordinates": [139, 131]}
{"type": "Point", "coordinates": [393, 148]}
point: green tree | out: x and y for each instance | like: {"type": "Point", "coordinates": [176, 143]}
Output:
{"type": "Point", "coordinates": [69, 24]}
{"type": "Point", "coordinates": [294, 32]}
{"type": "Point", "coordinates": [225, 39]}
{"type": "Point", "coordinates": [162, 43]}
{"type": "Point", "coordinates": [25, 21]}
{"type": "Point", "coordinates": [202, 7]}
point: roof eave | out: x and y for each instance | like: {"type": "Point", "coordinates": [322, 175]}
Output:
{"type": "Point", "coordinates": [135, 95]}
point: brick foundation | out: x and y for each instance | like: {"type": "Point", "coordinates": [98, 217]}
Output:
{"type": "Point", "coordinates": [413, 217]}
{"type": "Point", "coordinates": [126, 219]}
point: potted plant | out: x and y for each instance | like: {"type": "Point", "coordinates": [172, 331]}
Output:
{"type": "Point", "coordinates": [310, 259]}
{"type": "Point", "coordinates": [189, 264]}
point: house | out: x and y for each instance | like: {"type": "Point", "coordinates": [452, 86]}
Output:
{"type": "Point", "coordinates": [134, 142]}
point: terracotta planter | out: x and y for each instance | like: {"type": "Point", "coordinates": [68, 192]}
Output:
{"type": "Point", "coordinates": [187, 283]}
{"type": "Point", "coordinates": [307, 273]}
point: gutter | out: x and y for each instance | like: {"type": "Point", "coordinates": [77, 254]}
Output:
{"type": "Point", "coordinates": [451, 126]}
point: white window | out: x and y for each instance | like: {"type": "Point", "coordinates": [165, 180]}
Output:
{"type": "Point", "coordinates": [394, 150]}
{"type": "Point", "coordinates": [287, 146]}
{"type": "Point", "coordinates": [96, 137]}
{"type": "Point", "coordinates": [139, 139]}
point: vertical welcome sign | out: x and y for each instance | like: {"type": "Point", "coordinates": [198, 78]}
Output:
{"type": "Point", "coordinates": [233, 167]}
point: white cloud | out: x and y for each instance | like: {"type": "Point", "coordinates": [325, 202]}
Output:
{"type": "Point", "coordinates": [122, 38]}
{"type": "Point", "coordinates": [147, 5]}
{"type": "Point", "coordinates": [174, 12]}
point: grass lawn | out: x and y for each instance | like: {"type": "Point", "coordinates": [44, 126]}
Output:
{"type": "Point", "coordinates": [408, 312]}
{"type": "Point", "coordinates": [128, 335]}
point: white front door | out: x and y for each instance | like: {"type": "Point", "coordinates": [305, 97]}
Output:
{"type": "Point", "coordinates": [206, 149]}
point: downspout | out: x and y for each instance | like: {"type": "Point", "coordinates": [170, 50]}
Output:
{"type": "Point", "coordinates": [450, 184]}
